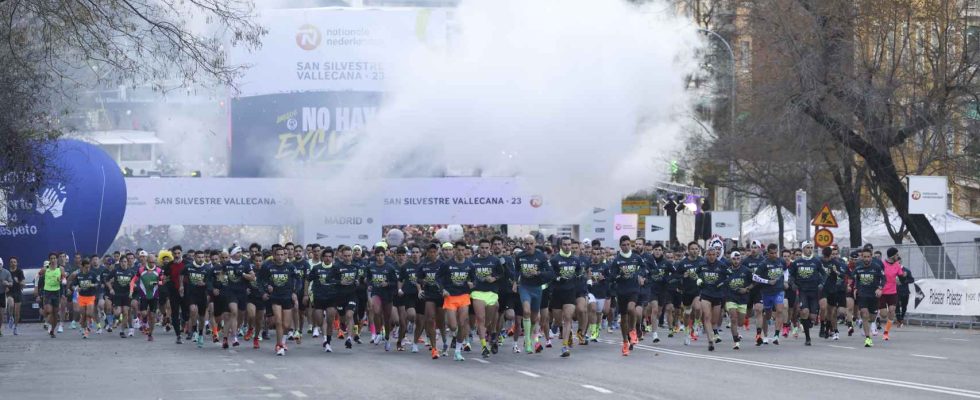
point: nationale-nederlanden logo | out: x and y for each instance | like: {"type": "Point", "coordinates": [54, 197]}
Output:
{"type": "Point", "coordinates": [308, 37]}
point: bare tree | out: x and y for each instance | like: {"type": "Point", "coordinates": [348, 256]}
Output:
{"type": "Point", "coordinates": [51, 49]}
{"type": "Point", "coordinates": [874, 75]}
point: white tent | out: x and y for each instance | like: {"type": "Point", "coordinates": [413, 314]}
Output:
{"type": "Point", "coordinates": [950, 227]}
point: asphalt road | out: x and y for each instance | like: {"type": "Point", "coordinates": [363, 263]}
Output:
{"type": "Point", "coordinates": [916, 363]}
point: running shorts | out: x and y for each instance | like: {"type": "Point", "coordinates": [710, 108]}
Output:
{"type": "Point", "coordinates": [489, 298]}
{"type": "Point", "coordinates": [836, 299]}
{"type": "Point", "coordinates": [545, 298]}
{"type": "Point", "coordinates": [239, 298]}
{"type": "Point", "coordinates": [323, 302]}
{"type": "Point", "coordinates": [674, 298]}
{"type": "Point", "coordinates": [730, 305]}
{"type": "Point", "coordinates": [871, 303]}
{"type": "Point", "coordinates": [453, 303]}
{"type": "Point", "coordinates": [345, 302]}
{"type": "Point", "coordinates": [17, 296]}
{"type": "Point", "coordinates": [507, 300]}
{"type": "Point", "coordinates": [285, 302]}
{"type": "Point", "coordinates": [888, 300]}
{"type": "Point", "coordinates": [150, 305]}
{"type": "Point", "coordinates": [643, 297]}
{"type": "Point", "coordinates": [560, 298]}
{"type": "Point", "coordinates": [792, 298]}
{"type": "Point", "coordinates": [688, 298]}
{"type": "Point", "coordinates": [85, 301]}
{"type": "Point", "coordinates": [624, 299]}
{"type": "Point", "coordinates": [197, 297]}
{"type": "Point", "coordinates": [531, 295]}
{"type": "Point", "coordinates": [600, 304]}
{"type": "Point", "coordinates": [769, 301]}
{"type": "Point", "coordinates": [407, 300]}
{"type": "Point", "coordinates": [385, 294]}
{"type": "Point", "coordinates": [52, 298]}
{"type": "Point", "coordinates": [809, 300]}
{"type": "Point", "coordinates": [121, 300]}
{"type": "Point", "coordinates": [715, 301]}
{"type": "Point", "coordinates": [755, 296]}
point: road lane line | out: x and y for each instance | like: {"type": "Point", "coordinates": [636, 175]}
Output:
{"type": "Point", "coordinates": [481, 361]}
{"type": "Point", "coordinates": [926, 356]}
{"type": "Point", "coordinates": [831, 374]}
{"type": "Point", "coordinates": [249, 362]}
{"type": "Point", "coordinates": [298, 394]}
{"type": "Point", "coordinates": [841, 347]}
{"type": "Point", "coordinates": [531, 374]}
{"type": "Point", "coordinates": [270, 377]}
{"type": "Point", "coordinates": [958, 340]}
{"type": "Point", "coordinates": [598, 389]}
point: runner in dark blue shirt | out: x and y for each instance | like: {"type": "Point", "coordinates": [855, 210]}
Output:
{"type": "Point", "coordinates": [626, 270]}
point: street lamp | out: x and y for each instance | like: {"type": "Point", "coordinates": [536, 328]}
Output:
{"type": "Point", "coordinates": [731, 53]}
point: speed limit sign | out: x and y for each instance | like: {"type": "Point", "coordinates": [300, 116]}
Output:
{"type": "Point", "coordinates": [823, 237]}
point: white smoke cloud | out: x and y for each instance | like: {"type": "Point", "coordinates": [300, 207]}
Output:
{"type": "Point", "coordinates": [580, 98]}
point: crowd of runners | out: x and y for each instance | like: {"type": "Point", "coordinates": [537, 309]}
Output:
{"type": "Point", "coordinates": [454, 298]}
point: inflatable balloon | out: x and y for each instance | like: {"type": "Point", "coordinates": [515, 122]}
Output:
{"type": "Point", "coordinates": [395, 237]}
{"type": "Point", "coordinates": [79, 211]}
{"type": "Point", "coordinates": [442, 235]}
{"type": "Point", "coordinates": [455, 232]}
{"type": "Point", "coordinates": [176, 233]}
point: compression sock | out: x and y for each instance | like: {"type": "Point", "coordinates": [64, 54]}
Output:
{"type": "Point", "coordinates": [526, 324]}
{"type": "Point", "coordinates": [888, 326]}
{"type": "Point", "coordinates": [483, 342]}
{"type": "Point", "coordinates": [807, 324]}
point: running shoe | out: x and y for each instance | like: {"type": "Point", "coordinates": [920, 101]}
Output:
{"type": "Point", "coordinates": [885, 336]}
{"type": "Point", "coordinates": [807, 343]}
{"type": "Point", "coordinates": [517, 349]}
{"type": "Point", "coordinates": [74, 325]}
{"type": "Point", "coordinates": [387, 345]}
{"type": "Point", "coordinates": [538, 348]}
{"type": "Point", "coordinates": [548, 344]}
{"type": "Point", "coordinates": [656, 337]}
{"type": "Point", "coordinates": [868, 342]}
{"type": "Point", "coordinates": [235, 343]}
{"type": "Point", "coordinates": [711, 346]}
{"type": "Point", "coordinates": [255, 342]}
{"type": "Point", "coordinates": [758, 339]}
{"type": "Point", "coordinates": [316, 332]}
{"type": "Point", "coordinates": [435, 354]}
{"type": "Point", "coordinates": [224, 343]}
{"type": "Point", "coordinates": [836, 336]}
{"type": "Point", "coordinates": [326, 347]}
{"type": "Point", "coordinates": [280, 350]}
{"type": "Point", "coordinates": [785, 331]}
{"type": "Point", "coordinates": [626, 348]}
{"type": "Point", "coordinates": [466, 347]}
{"type": "Point", "coordinates": [357, 339]}
{"type": "Point", "coordinates": [775, 340]}
{"type": "Point", "coordinates": [250, 332]}
{"type": "Point", "coordinates": [15, 330]}
{"type": "Point", "coordinates": [765, 341]}
{"type": "Point", "coordinates": [717, 338]}
{"type": "Point", "coordinates": [485, 353]}
{"type": "Point", "coordinates": [670, 334]}
{"type": "Point", "coordinates": [796, 332]}
{"type": "Point", "coordinates": [415, 348]}
{"type": "Point", "coordinates": [736, 346]}
{"type": "Point", "coordinates": [348, 343]}
{"type": "Point", "coordinates": [850, 331]}
{"type": "Point", "coordinates": [633, 339]}
{"type": "Point", "coordinates": [122, 334]}
{"type": "Point", "coordinates": [149, 337]}
{"type": "Point", "coordinates": [179, 340]}
{"type": "Point", "coordinates": [565, 352]}
{"type": "Point", "coordinates": [61, 328]}
{"type": "Point", "coordinates": [687, 340]}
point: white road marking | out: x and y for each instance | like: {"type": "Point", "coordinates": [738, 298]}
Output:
{"type": "Point", "coordinates": [274, 395]}
{"type": "Point", "coordinates": [598, 389]}
{"type": "Point", "coordinates": [234, 365]}
{"type": "Point", "coordinates": [298, 394]}
{"type": "Point", "coordinates": [531, 374]}
{"type": "Point", "coordinates": [832, 374]}
{"type": "Point", "coordinates": [481, 361]}
{"type": "Point", "coordinates": [958, 340]}
{"type": "Point", "coordinates": [270, 377]}
{"type": "Point", "coordinates": [233, 351]}
{"type": "Point", "coordinates": [925, 356]}
{"type": "Point", "coordinates": [841, 347]}
{"type": "Point", "coordinates": [249, 362]}
{"type": "Point", "coordinates": [264, 387]}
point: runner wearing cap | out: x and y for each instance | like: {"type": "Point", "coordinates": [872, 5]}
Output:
{"type": "Point", "coordinates": [738, 285]}
{"type": "Point", "coordinates": [456, 278]}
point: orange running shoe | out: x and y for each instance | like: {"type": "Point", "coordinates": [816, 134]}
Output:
{"type": "Point", "coordinates": [886, 335]}
{"type": "Point", "coordinates": [248, 334]}
{"type": "Point", "coordinates": [626, 348]}
{"type": "Point", "coordinates": [633, 337]}
{"type": "Point", "coordinates": [340, 334]}
{"type": "Point", "coordinates": [435, 354]}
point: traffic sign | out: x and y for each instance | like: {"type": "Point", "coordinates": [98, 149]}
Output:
{"type": "Point", "coordinates": [823, 237]}
{"type": "Point", "coordinates": [825, 218]}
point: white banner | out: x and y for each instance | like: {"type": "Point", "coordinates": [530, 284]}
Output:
{"type": "Point", "coordinates": [945, 297]}
{"type": "Point", "coordinates": [353, 222]}
{"type": "Point", "coordinates": [657, 228]}
{"type": "Point", "coordinates": [727, 224]}
{"type": "Point", "coordinates": [210, 201]}
{"type": "Point", "coordinates": [333, 49]}
{"type": "Point", "coordinates": [802, 219]}
{"type": "Point", "coordinates": [624, 224]}
{"type": "Point", "coordinates": [927, 194]}
{"type": "Point", "coordinates": [595, 225]}
{"type": "Point", "coordinates": [463, 201]}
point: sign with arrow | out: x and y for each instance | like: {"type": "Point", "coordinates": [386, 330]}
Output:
{"type": "Point", "coordinates": [657, 228]}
